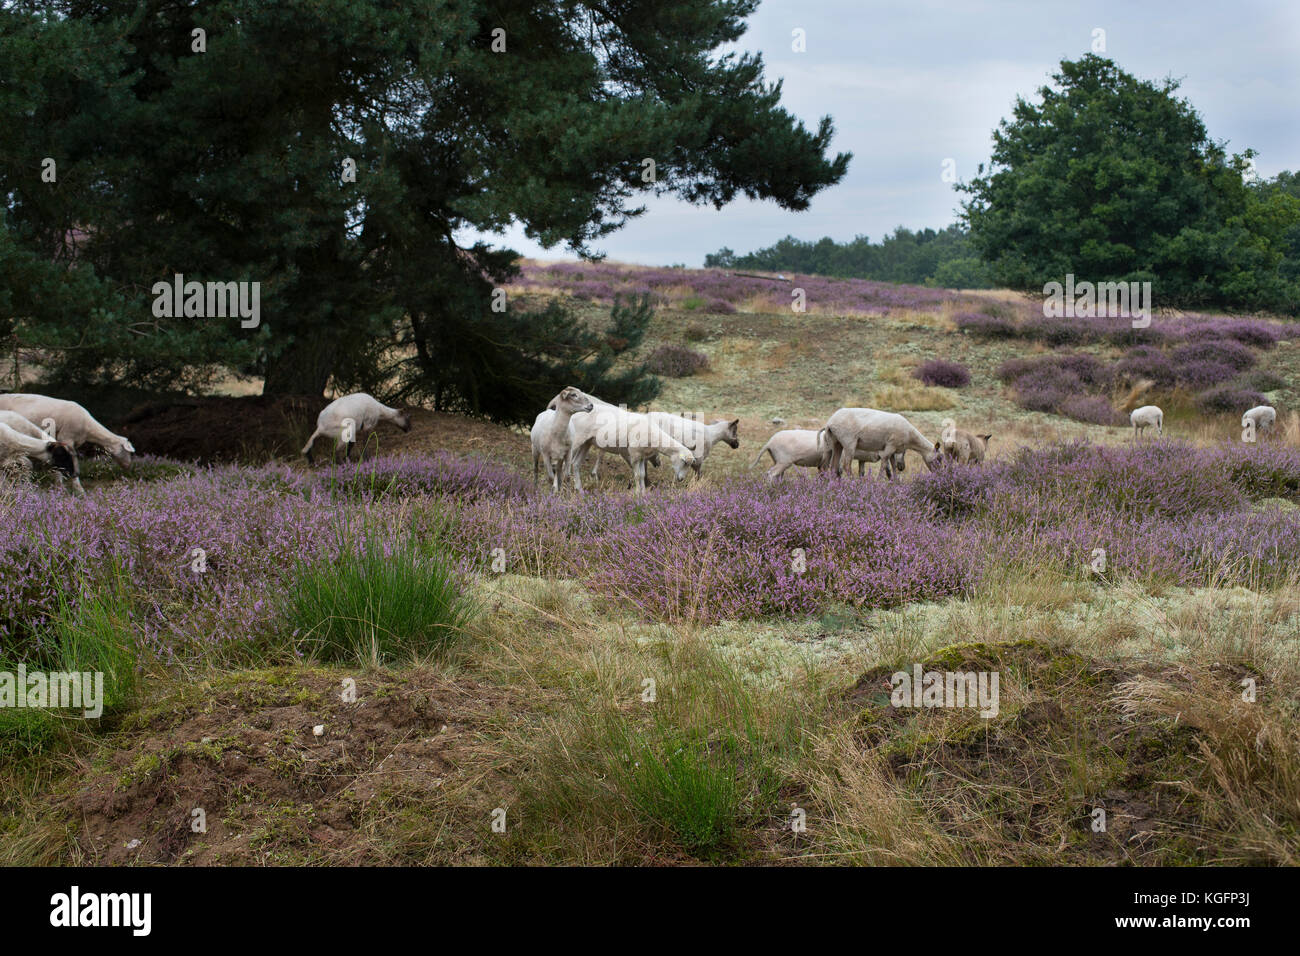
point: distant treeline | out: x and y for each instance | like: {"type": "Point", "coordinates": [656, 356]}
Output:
{"type": "Point", "coordinates": [943, 258]}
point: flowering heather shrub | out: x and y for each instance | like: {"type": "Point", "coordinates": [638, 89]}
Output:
{"type": "Point", "coordinates": [466, 479]}
{"type": "Point", "coordinates": [1162, 511]}
{"type": "Point", "coordinates": [1221, 351]}
{"type": "Point", "coordinates": [602, 280]}
{"type": "Point", "coordinates": [1252, 332]}
{"type": "Point", "coordinates": [985, 326]}
{"type": "Point", "coordinates": [676, 361]}
{"type": "Point", "coordinates": [1228, 398]}
{"type": "Point", "coordinates": [1092, 409]}
{"type": "Point", "coordinates": [1262, 380]}
{"type": "Point", "coordinates": [942, 372]}
{"type": "Point", "coordinates": [1059, 384]}
{"type": "Point", "coordinates": [731, 552]}
{"type": "Point", "coordinates": [1198, 375]}
{"type": "Point", "coordinates": [1146, 362]}
{"type": "Point", "coordinates": [1084, 368]}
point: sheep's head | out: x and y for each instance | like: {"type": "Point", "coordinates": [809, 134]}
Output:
{"type": "Point", "coordinates": [681, 462]}
{"type": "Point", "coordinates": [122, 453]}
{"type": "Point", "coordinates": [403, 420]}
{"type": "Point", "coordinates": [933, 459]}
{"type": "Point", "coordinates": [732, 435]}
{"type": "Point", "coordinates": [573, 400]}
{"type": "Point", "coordinates": [62, 458]}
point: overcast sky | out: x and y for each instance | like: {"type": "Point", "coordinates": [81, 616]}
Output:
{"type": "Point", "coordinates": [914, 82]}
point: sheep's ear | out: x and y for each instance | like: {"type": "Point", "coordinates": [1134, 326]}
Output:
{"type": "Point", "coordinates": [129, 447]}
{"type": "Point", "coordinates": [938, 446]}
{"type": "Point", "coordinates": [986, 437]}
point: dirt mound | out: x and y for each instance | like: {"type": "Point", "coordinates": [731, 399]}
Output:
{"type": "Point", "coordinates": [250, 429]}
{"type": "Point", "coordinates": [242, 750]}
{"type": "Point", "coordinates": [1018, 776]}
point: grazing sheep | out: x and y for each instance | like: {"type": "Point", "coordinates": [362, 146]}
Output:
{"type": "Point", "coordinates": [793, 446]}
{"type": "Point", "coordinates": [871, 430]}
{"type": "Point", "coordinates": [625, 433]}
{"type": "Point", "coordinates": [24, 427]}
{"type": "Point", "coordinates": [1146, 417]}
{"type": "Point", "coordinates": [1263, 417]}
{"type": "Point", "coordinates": [962, 446]}
{"type": "Point", "coordinates": [550, 435]}
{"type": "Point", "coordinates": [19, 450]}
{"type": "Point", "coordinates": [351, 417]}
{"type": "Point", "coordinates": [69, 423]}
{"type": "Point", "coordinates": [697, 436]}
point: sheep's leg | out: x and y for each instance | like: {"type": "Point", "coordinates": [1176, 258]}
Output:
{"type": "Point", "coordinates": [311, 441]}
{"type": "Point", "coordinates": [577, 456]}
{"type": "Point", "coordinates": [779, 469]}
{"type": "Point", "coordinates": [595, 465]}
{"type": "Point", "coordinates": [638, 474]}
{"type": "Point", "coordinates": [862, 468]}
{"type": "Point", "coordinates": [848, 450]}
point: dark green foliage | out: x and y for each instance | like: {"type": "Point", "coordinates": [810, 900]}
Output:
{"type": "Point", "coordinates": [1113, 178]}
{"type": "Point", "coordinates": [944, 258]}
{"type": "Point", "coordinates": [229, 165]}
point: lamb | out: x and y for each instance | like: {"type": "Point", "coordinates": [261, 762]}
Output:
{"type": "Point", "coordinates": [626, 433]}
{"type": "Point", "coordinates": [550, 435]}
{"type": "Point", "coordinates": [962, 446]}
{"type": "Point", "coordinates": [69, 423]}
{"type": "Point", "coordinates": [23, 427]}
{"type": "Point", "coordinates": [872, 430]}
{"type": "Point", "coordinates": [1261, 418]}
{"type": "Point", "coordinates": [793, 446]}
{"type": "Point", "coordinates": [352, 416]}
{"type": "Point", "coordinates": [897, 463]}
{"type": "Point", "coordinates": [17, 449]}
{"type": "Point", "coordinates": [697, 436]}
{"type": "Point", "coordinates": [1146, 417]}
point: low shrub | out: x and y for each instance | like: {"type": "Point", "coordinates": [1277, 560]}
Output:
{"type": "Point", "coordinates": [943, 373]}
{"type": "Point", "coordinates": [1228, 398]}
{"type": "Point", "coordinates": [676, 361]}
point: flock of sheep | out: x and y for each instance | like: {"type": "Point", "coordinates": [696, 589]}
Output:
{"type": "Point", "coordinates": [47, 431]}
{"type": "Point", "coordinates": [576, 424]}
{"type": "Point", "coordinates": [37, 429]}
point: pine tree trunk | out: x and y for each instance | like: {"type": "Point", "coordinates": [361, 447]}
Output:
{"type": "Point", "coordinates": [302, 369]}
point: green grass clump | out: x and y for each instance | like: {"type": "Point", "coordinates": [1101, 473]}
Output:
{"type": "Point", "coordinates": [376, 607]}
{"type": "Point", "coordinates": [92, 635]}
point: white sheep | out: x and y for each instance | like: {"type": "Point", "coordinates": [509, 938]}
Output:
{"type": "Point", "coordinates": [1260, 418]}
{"type": "Point", "coordinates": [793, 446]}
{"type": "Point", "coordinates": [697, 436]}
{"type": "Point", "coordinates": [352, 417]}
{"type": "Point", "coordinates": [69, 423]}
{"type": "Point", "coordinates": [1148, 416]}
{"type": "Point", "coordinates": [962, 446]}
{"type": "Point", "coordinates": [629, 434]}
{"type": "Point", "coordinates": [550, 434]}
{"type": "Point", "coordinates": [601, 452]}
{"type": "Point", "coordinates": [31, 430]}
{"type": "Point", "coordinates": [869, 429]}
{"type": "Point", "coordinates": [17, 449]}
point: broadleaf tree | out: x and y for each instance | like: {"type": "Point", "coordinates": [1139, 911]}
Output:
{"type": "Point", "coordinates": [1113, 178]}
